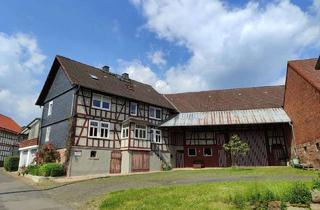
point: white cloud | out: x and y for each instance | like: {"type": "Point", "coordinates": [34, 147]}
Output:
{"type": "Point", "coordinates": [157, 57]}
{"type": "Point", "coordinates": [230, 46]}
{"type": "Point", "coordinates": [21, 63]}
{"type": "Point", "coordinates": [142, 73]}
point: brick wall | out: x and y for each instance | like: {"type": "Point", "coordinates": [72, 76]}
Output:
{"type": "Point", "coordinates": [302, 104]}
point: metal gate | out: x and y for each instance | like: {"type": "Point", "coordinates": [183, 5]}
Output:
{"type": "Point", "coordinates": [115, 162]}
{"type": "Point", "coordinates": [140, 161]}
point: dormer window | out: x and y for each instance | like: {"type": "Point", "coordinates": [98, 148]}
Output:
{"type": "Point", "coordinates": [155, 113]}
{"type": "Point", "coordinates": [133, 109]}
{"type": "Point", "coordinates": [101, 102]}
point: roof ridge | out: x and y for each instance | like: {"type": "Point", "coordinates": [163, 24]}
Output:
{"type": "Point", "coordinates": [98, 69]}
{"type": "Point", "coordinates": [240, 88]}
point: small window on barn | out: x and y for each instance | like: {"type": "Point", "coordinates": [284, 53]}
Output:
{"type": "Point", "coordinates": [93, 154]}
{"type": "Point", "coordinates": [207, 151]}
{"type": "Point", "coordinates": [305, 148]}
{"type": "Point", "coordinates": [318, 146]}
{"type": "Point", "coordinates": [192, 152]}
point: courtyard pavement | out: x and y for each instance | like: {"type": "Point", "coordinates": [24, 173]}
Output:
{"type": "Point", "coordinates": [17, 195]}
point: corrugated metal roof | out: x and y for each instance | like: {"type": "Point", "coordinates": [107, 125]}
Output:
{"type": "Point", "coordinates": [232, 117]}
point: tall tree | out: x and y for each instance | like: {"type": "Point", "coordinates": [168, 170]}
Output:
{"type": "Point", "coordinates": [236, 147]}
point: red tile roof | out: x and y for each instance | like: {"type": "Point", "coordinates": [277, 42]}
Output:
{"type": "Point", "coordinates": [6, 123]}
{"type": "Point", "coordinates": [230, 99]}
{"type": "Point", "coordinates": [306, 69]}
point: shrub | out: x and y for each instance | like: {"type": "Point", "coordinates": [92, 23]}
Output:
{"type": "Point", "coordinates": [51, 169]}
{"type": "Point", "coordinates": [33, 170]}
{"type": "Point", "coordinates": [298, 194]}
{"type": "Point", "coordinates": [166, 167]}
{"type": "Point", "coordinates": [11, 163]}
{"type": "Point", "coordinates": [47, 154]}
{"type": "Point", "coordinates": [316, 183]}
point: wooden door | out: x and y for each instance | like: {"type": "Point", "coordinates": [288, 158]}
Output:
{"type": "Point", "coordinates": [115, 162]}
{"type": "Point", "coordinates": [140, 161]}
{"type": "Point", "coordinates": [180, 159]}
{"type": "Point", "coordinates": [277, 155]}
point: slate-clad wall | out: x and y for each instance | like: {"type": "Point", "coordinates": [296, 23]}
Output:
{"type": "Point", "coordinates": [62, 94]}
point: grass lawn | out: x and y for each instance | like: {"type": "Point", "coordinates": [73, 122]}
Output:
{"type": "Point", "coordinates": [203, 196]}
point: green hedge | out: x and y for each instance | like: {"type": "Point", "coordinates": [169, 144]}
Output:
{"type": "Point", "coordinates": [51, 169]}
{"type": "Point", "coordinates": [33, 170]}
{"type": "Point", "coordinates": [11, 163]}
{"type": "Point", "coordinates": [47, 169]}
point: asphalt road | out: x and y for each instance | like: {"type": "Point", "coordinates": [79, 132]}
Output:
{"type": "Point", "coordinates": [17, 195]}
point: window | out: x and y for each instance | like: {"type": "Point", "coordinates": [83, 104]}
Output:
{"type": "Point", "coordinates": [318, 146]}
{"type": "Point", "coordinates": [50, 108]}
{"type": "Point", "coordinates": [305, 149]}
{"type": "Point", "coordinates": [48, 130]}
{"type": "Point", "coordinates": [93, 154]}
{"type": "Point", "coordinates": [125, 131]}
{"type": "Point", "coordinates": [98, 129]}
{"type": "Point", "coordinates": [156, 135]}
{"type": "Point", "coordinates": [155, 113]}
{"type": "Point", "coordinates": [192, 152]}
{"type": "Point", "coordinates": [140, 132]}
{"type": "Point", "coordinates": [133, 108]}
{"type": "Point", "coordinates": [207, 151]}
{"type": "Point", "coordinates": [100, 102]}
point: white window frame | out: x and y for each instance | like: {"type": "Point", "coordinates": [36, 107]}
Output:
{"type": "Point", "coordinates": [50, 107]}
{"type": "Point", "coordinates": [195, 149]}
{"type": "Point", "coordinates": [102, 99]}
{"type": "Point", "coordinates": [136, 109]}
{"type": "Point", "coordinates": [99, 129]}
{"type": "Point", "coordinates": [125, 131]}
{"type": "Point", "coordinates": [154, 136]}
{"type": "Point", "coordinates": [48, 131]}
{"type": "Point", "coordinates": [210, 150]}
{"type": "Point", "coordinates": [155, 112]}
{"type": "Point", "coordinates": [139, 130]}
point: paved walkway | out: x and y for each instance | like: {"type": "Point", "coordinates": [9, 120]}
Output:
{"type": "Point", "coordinates": [17, 195]}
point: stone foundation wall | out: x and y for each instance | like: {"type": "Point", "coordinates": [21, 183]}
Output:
{"type": "Point", "coordinates": [309, 153]}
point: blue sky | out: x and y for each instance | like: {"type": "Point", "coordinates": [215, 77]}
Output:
{"type": "Point", "coordinates": [173, 45]}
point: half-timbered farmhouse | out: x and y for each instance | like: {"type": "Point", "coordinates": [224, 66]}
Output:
{"type": "Point", "coordinates": [102, 122]}
{"type": "Point", "coordinates": [9, 137]}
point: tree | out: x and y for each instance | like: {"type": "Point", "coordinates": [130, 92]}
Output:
{"type": "Point", "coordinates": [236, 147]}
{"type": "Point", "coordinates": [47, 154]}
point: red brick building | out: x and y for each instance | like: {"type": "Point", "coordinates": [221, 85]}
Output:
{"type": "Point", "coordinates": [302, 104]}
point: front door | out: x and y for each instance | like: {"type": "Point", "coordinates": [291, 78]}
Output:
{"type": "Point", "coordinates": [180, 159]}
{"type": "Point", "coordinates": [115, 162]}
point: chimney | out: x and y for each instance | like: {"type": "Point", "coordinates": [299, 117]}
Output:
{"type": "Point", "coordinates": [317, 67]}
{"type": "Point", "coordinates": [106, 69]}
{"type": "Point", "coordinates": [125, 76]}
